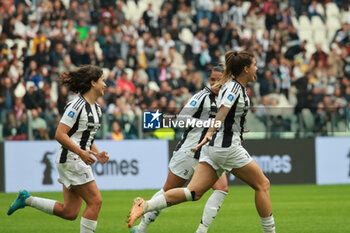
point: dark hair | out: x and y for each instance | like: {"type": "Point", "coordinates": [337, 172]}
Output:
{"type": "Point", "coordinates": [79, 80]}
{"type": "Point", "coordinates": [234, 65]}
{"type": "Point", "coordinates": [219, 68]}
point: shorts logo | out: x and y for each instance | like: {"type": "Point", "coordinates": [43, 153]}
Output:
{"type": "Point", "coordinates": [151, 120]}
{"type": "Point", "coordinates": [193, 103]}
{"type": "Point", "coordinates": [71, 114]}
{"type": "Point", "coordinates": [230, 97]}
{"type": "Point", "coordinates": [186, 172]}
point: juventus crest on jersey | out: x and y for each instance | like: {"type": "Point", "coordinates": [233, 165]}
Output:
{"type": "Point", "coordinates": [84, 120]}
{"type": "Point", "coordinates": [235, 97]}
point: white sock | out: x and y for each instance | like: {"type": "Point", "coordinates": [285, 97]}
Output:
{"type": "Point", "coordinates": [202, 229]}
{"type": "Point", "coordinates": [45, 205]}
{"type": "Point", "coordinates": [87, 225]}
{"type": "Point", "coordinates": [268, 224]}
{"type": "Point", "coordinates": [150, 216]}
{"type": "Point", "coordinates": [156, 203]}
{"type": "Point", "coordinates": [211, 209]}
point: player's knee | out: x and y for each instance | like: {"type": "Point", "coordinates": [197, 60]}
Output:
{"type": "Point", "coordinates": [264, 185]}
{"type": "Point", "coordinates": [71, 215]}
{"type": "Point", "coordinates": [223, 188]}
{"type": "Point", "coordinates": [192, 195]}
{"type": "Point", "coordinates": [98, 202]}
{"type": "Point", "coordinates": [196, 196]}
{"type": "Point", "coordinates": [95, 203]}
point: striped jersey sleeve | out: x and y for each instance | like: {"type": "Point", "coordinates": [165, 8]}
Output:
{"type": "Point", "coordinates": [229, 94]}
{"type": "Point", "coordinates": [71, 112]}
{"type": "Point", "coordinates": [194, 104]}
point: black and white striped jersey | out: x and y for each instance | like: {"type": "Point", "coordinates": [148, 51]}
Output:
{"type": "Point", "coordinates": [200, 107]}
{"type": "Point", "coordinates": [235, 97]}
{"type": "Point", "coordinates": [84, 120]}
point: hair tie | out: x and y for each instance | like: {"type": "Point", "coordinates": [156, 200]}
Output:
{"type": "Point", "coordinates": [235, 53]}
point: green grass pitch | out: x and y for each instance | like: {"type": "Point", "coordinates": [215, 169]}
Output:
{"type": "Point", "coordinates": [297, 208]}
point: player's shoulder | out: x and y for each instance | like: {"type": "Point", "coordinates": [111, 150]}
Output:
{"type": "Point", "coordinates": [202, 93]}
{"type": "Point", "coordinates": [234, 87]}
{"type": "Point", "coordinates": [77, 103]}
{"type": "Point", "coordinates": [198, 98]}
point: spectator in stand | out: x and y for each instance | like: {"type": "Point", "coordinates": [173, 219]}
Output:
{"type": "Point", "coordinates": [271, 19]}
{"type": "Point", "coordinates": [56, 55]}
{"type": "Point", "coordinates": [150, 18]}
{"type": "Point", "coordinates": [313, 10]}
{"type": "Point", "coordinates": [203, 8]}
{"type": "Point", "coordinates": [236, 14]}
{"type": "Point", "coordinates": [72, 12]}
{"type": "Point", "coordinates": [78, 55]}
{"type": "Point", "coordinates": [41, 56]}
{"type": "Point", "coordinates": [39, 126]}
{"type": "Point", "coordinates": [151, 60]}
{"type": "Point", "coordinates": [124, 84]}
{"type": "Point", "coordinates": [82, 29]}
{"type": "Point", "coordinates": [335, 63]}
{"type": "Point", "coordinates": [166, 43]}
{"type": "Point", "coordinates": [116, 134]}
{"type": "Point", "coordinates": [11, 127]}
{"type": "Point", "coordinates": [319, 55]}
{"type": "Point", "coordinates": [7, 97]}
{"type": "Point", "coordinates": [184, 16]}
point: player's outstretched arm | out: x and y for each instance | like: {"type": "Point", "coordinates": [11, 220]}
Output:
{"type": "Point", "coordinates": [223, 111]}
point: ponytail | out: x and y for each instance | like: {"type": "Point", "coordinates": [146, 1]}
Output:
{"type": "Point", "coordinates": [234, 65]}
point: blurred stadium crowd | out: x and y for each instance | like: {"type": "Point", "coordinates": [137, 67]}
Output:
{"type": "Point", "coordinates": [157, 53]}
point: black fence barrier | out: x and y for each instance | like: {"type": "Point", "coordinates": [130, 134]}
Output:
{"type": "Point", "coordinates": [283, 161]}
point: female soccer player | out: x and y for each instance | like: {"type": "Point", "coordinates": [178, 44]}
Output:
{"type": "Point", "coordinates": [201, 107]}
{"type": "Point", "coordinates": [75, 133]}
{"type": "Point", "coordinates": [224, 151]}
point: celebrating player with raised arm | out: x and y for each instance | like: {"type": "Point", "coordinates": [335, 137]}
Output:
{"type": "Point", "coordinates": [222, 149]}
{"type": "Point", "coordinates": [76, 132]}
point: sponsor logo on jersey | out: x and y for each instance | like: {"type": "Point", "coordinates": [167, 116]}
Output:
{"type": "Point", "coordinates": [71, 114]}
{"type": "Point", "coordinates": [230, 97]}
{"type": "Point", "coordinates": [193, 103]}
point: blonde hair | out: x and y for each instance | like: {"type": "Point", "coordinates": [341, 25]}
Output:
{"type": "Point", "coordinates": [234, 65]}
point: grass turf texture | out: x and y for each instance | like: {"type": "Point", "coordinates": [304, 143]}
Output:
{"type": "Point", "coordinates": [297, 208]}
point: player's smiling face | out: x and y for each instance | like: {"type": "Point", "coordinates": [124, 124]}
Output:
{"type": "Point", "coordinates": [100, 85]}
{"type": "Point", "coordinates": [214, 78]}
{"type": "Point", "coordinates": [252, 71]}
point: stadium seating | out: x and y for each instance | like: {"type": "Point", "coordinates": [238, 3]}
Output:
{"type": "Point", "coordinates": [304, 23]}
{"type": "Point", "coordinates": [245, 6]}
{"type": "Point", "coordinates": [295, 22]}
{"type": "Point", "coordinates": [186, 36]}
{"type": "Point", "coordinates": [332, 9]}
